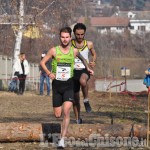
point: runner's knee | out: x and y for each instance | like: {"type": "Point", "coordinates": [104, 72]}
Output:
{"type": "Point", "coordinates": [83, 82]}
{"type": "Point", "coordinates": [57, 115]}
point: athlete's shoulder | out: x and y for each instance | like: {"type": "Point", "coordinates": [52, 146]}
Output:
{"type": "Point", "coordinates": [52, 51]}
{"type": "Point", "coordinates": [90, 44]}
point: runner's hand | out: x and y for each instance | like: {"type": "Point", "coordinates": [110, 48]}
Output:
{"type": "Point", "coordinates": [91, 72]}
{"type": "Point", "coordinates": [52, 76]}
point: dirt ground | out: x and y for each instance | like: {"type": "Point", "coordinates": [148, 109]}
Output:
{"type": "Point", "coordinates": [106, 108]}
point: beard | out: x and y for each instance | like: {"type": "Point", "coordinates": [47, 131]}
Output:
{"type": "Point", "coordinates": [79, 39]}
{"type": "Point", "coordinates": [65, 44]}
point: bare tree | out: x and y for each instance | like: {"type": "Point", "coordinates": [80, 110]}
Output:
{"type": "Point", "coordinates": [48, 15]}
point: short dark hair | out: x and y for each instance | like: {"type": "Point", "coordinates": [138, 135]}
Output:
{"type": "Point", "coordinates": [66, 30]}
{"type": "Point", "coordinates": [79, 26]}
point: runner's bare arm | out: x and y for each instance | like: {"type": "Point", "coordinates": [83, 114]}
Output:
{"type": "Point", "coordinates": [93, 53]}
{"type": "Point", "coordinates": [50, 54]}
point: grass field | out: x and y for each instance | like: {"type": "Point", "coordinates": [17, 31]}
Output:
{"type": "Point", "coordinates": [31, 107]}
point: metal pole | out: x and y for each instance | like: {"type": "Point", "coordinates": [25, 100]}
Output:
{"type": "Point", "coordinates": [125, 80]}
{"type": "Point", "coordinates": [148, 119]}
{"type": "Point", "coordinates": [6, 72]}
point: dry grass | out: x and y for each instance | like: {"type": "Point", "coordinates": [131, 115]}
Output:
{"type": "Point", "coordinates": [32, 107]}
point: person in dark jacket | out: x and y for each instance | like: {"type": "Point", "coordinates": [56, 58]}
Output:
{"type": "Point", "coordinates": [43, 76]}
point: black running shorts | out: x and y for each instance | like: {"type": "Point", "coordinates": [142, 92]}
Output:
{"type": "Point", "coordinates": [62, 91]}
{"type": "Point", "coordinates": [76, 78]}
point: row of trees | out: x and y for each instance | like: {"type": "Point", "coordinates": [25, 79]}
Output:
{"type": "Point", "coordinates": [113, 50]}
{"type": "Point", "coordinates": [48, 15]}
{"type": "Point", "coordinates": [117, 50]}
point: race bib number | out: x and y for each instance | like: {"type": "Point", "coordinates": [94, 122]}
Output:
{"type": "Point", "coordinates": [78, 64]}
{"type": "Point", "coordinates": [63, 72]}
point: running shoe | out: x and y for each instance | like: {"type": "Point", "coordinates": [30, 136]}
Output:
{"type": "Point", "coordinates": [79, 121]}
{"type": "Point", "coordinates": [87, 107]}
{"type": "Point", "coordinates": [61, 144]}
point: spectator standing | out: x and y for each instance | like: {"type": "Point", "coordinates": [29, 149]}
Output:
{"type": "Point", "coordinates": [44, 76]}
{"type": "Point", "coordinates": [21, 68]}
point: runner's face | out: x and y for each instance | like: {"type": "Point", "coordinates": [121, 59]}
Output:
{"type": "Point", "coordinates": [65, 39]}
{"type": "Point", "coordinates": [79, 35]}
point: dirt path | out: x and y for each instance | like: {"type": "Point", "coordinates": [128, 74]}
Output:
{"type": "Point", "coordinates": [32, 107]}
